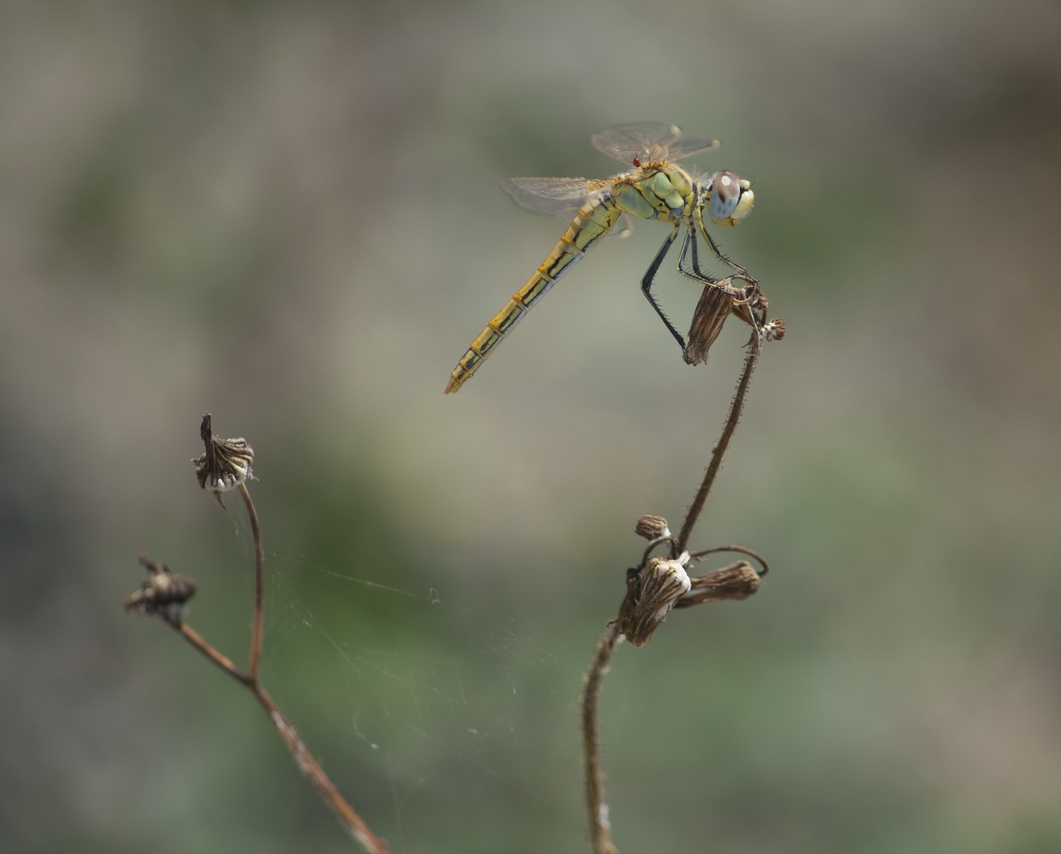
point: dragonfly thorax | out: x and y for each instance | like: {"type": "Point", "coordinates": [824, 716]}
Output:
{"type": "Point", "coordinates": [657, 191]}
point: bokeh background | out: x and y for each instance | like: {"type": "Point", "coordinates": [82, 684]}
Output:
{"type": "Point", "coordinates": [288, 214]}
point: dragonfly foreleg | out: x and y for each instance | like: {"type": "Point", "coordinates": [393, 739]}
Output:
{"type": "Point", "coordinates": [650, 275]}
{"type": "Point", "coordinates": [733, 265]}
{"type": "Point", "coordinates": [721, 297]}
{"type": "Point", "coordinates": [690, 251]}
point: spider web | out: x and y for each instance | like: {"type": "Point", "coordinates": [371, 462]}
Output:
{"type": "Point", "coordinates": [487, 709]}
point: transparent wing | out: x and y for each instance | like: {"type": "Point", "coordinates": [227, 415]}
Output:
{"type": "Point", "coordinates": [560, 196]}
{"type": "Point", "coordinates": [648, 141]}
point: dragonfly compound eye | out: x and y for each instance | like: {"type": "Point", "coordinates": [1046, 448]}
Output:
{"type": "Point", "coordinates": [729, 199]}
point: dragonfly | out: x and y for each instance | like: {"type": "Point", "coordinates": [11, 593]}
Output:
{"type": "Point", "coordinates": [655, 188]}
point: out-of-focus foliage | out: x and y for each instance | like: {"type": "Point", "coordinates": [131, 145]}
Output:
{"type": "Point", "coordinates": [288, 214]}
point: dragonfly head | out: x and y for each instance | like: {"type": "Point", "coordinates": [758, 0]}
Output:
{"type": "Point", "coordinates": [729, 199]}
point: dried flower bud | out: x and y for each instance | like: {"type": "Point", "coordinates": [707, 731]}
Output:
{"type": "Point", "coordinates": [650, 594]}
{"type": "Point", "coordinates": [774, 330]}
{"type": "Point", "coordinates": [163, 594]}
{"type": "Point", "coordinates": [717, 302]}
{"type": "Point", "coordinates": [652, 527]}
{"type": "Point", "coordinates": [225, 464]}
{"type": "Point", "coordinates": [715, 305]}
{"type": "Point", "coordinates": [736, 581]}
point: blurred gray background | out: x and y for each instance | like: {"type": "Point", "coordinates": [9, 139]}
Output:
{"type": "Point", "coordinates": [289, 215]}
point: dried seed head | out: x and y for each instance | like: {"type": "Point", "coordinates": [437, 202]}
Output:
{"type": "Point", "coordinates": [774, 330]}
{"type": "Point", "coordinates": [715, 305]}
{"type": "Point", "coordinates": [736, 581]}
{"type": "Point", "coordinates": [651, 592]}
{"type": "Point", "coordinates": [652, 527]}
{"type": "Point", "coordinates": [225, 464]}
{"type": "Point", "coordinates": [163, 594]}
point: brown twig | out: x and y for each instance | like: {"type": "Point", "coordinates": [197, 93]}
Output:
{"type": "Point", "coordinates": [226, 465]}
{"type": "Point", "coordinates": [600, 827]}
{"type": "Point", "coordinates": [254, 657]}
{"type": "Point", "coordinates": [313, 772]}
{"type": "Point", "coordinates": [719, 450]}
{"type": "Point", "coordinates": [641, 613]}
{"type": "Point", "coordinates": [658, 585]}
{"type": "Point", "coordinates": [212, 655]}
{"type": "Point", "coordinates": [700, 554]}
{"type": "Point", "coordinates": [305, 760]}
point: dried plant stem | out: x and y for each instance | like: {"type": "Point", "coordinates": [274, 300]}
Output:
{"type": "Point", "coordinates": [734, 582]}
{"type": "Point", "coordinates": [305, 760]}
{"type": "Point", "coordinates": [215, 657]}
{"type": "Point", "coordinates": [255, 655]}
{"type": "Point", "coordinates": [600, 827]}
{"type": "Point", "coordinates": [719, 450]}
{"type": "Point", "coordinates": [313, 772]}
{"type": "Point", "coordinates": [165, 592]}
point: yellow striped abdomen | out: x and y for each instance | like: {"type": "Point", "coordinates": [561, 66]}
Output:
{"type": "Point", "coordinates": [591, 223]}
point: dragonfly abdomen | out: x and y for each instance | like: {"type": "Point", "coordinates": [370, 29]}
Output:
{"type": "Point", "coordinates": [590, 224]}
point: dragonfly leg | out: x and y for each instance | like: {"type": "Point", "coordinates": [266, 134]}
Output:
{"type": "Point", "coordinates": [650, 275]}
{"type": "Point", "coordinates": [690, 250]}
{"type": "Point", "coordinates": [733, 265]}
{"type": "Point", "coordinates": [746, 301]}
{"type": "Point", "coordinates": [690, 247]}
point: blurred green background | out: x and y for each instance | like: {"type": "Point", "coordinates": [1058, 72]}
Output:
{"type": "Point", "coordinates": [289, 215]}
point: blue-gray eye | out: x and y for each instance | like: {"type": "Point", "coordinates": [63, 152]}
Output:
{"type": "Point", "coordinates": [725, 194]}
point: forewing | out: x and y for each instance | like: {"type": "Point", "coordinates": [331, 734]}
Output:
{"type": "Point", "coordinates": [689, 147]}
{"type": "Point", "coordinates": [625, 142]}
{"type": "Point", "coordinates": [648, 141]}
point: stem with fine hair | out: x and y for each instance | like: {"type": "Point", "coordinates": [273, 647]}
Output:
{"type": "Point", "coordinates": [600, 827]}
{"type": "Point", "coordinates": [226, 465]}
{"type": "Point", "coordinates": [255, 655]}
{"type": "Point", "coordinates": [597, 808]}
{"type": "Point", "coordinates": [719, 450]}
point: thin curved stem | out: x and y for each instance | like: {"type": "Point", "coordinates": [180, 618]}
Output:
{"type": "Point", "coordinates": [307, 763]}
{"type": "Point", "coordinates": [736, 407]}
{"type": "Point", "coordinates": [312, 771]}
{"type": "Point", "coordinates": [600, 827]}
{"type": "Point", "coordinates": [255, 655]}
{"type": "Point", "coordinates": [702, 553]}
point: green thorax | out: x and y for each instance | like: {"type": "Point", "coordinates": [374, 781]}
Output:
{"type": "Point", "coordinates": [656, 191]}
